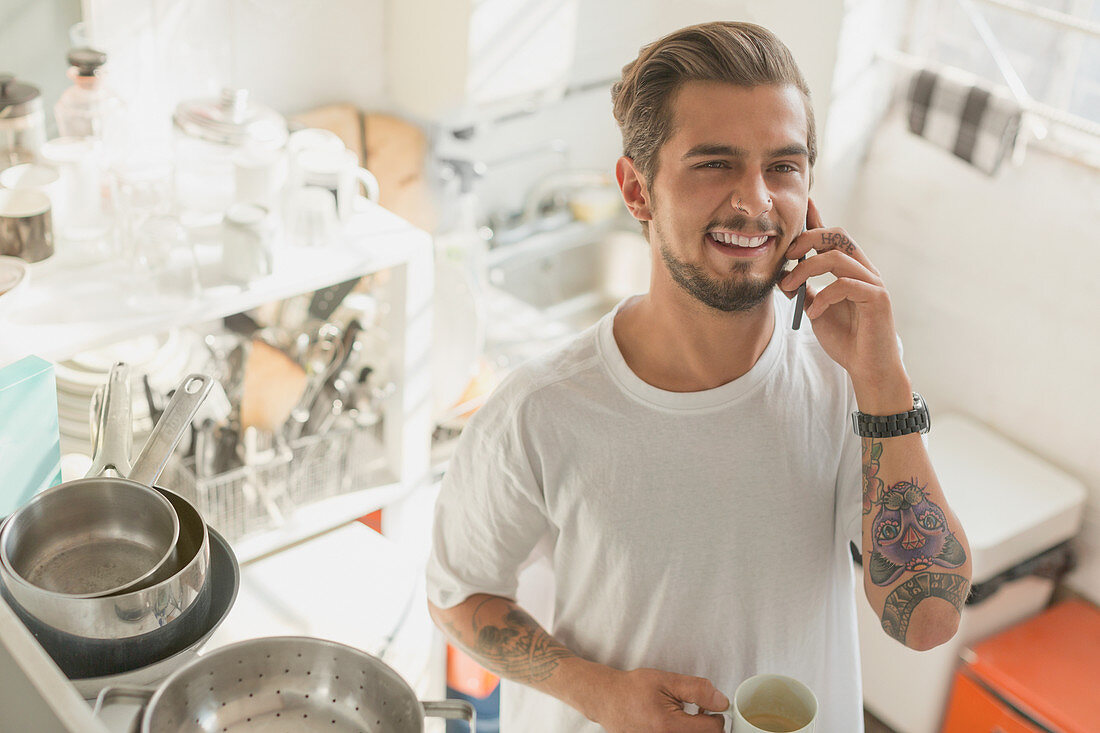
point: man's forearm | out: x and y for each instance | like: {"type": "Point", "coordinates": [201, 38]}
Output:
{"type": "Point", "coordinates": [916, 559]}
{"type": "Point", "coordinates": [505, 640]}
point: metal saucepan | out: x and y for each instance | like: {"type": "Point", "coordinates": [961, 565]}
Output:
{"type": "Point", "coordinates": [286, 683]}
{"type": "Point", "coordinates": [92, 537]}
{"type": "Point", "coordinates": [137, 612]}
{"type": "Point", "coordinates": [224, 579]}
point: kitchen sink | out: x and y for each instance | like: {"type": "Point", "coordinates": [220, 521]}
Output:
{"type": "Point", "coordinates": [572, 276]}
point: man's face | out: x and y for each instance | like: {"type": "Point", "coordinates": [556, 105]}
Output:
{"type": "Point", "coordinates": [736, 167]}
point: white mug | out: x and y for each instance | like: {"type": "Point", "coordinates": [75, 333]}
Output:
{"type": "Point", "coordinates": [247, 243]}
{"type": "Point", "coordinates": [337, 172]}
{"type": "Point", "coordinates": [772, 703]}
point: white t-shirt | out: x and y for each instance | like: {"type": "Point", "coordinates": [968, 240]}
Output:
{"type": "Point", "coordinates": [703, 533]}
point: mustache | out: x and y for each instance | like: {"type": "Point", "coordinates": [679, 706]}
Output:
{"type": "Point", "coordinates": [745, 224]}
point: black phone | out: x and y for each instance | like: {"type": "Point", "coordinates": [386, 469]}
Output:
{"type": "Point", "coordinates": [800, 298]}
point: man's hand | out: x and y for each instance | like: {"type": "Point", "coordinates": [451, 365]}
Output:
{"type": "Point", "coordinates": [652, 701]}
{"type": "Point", "coordinates": [852, 317]}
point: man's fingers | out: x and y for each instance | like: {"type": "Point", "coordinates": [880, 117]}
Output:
{"type": "Point", "coordinates": [856, 291]}
{"type": "Point", "coordinates": [832, 262]}
{"type": "Point", "coordinates": [698, 690]}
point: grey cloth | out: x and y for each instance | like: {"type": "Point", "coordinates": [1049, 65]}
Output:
{"type": "Point", "coordinates": [968, 118]}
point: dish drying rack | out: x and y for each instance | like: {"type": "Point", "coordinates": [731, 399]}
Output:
{"type": "Point", "coordinates": [253, 498]}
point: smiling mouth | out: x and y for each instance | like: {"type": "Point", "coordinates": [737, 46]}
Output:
{"type": "Point", "coordinates": [738, 245]}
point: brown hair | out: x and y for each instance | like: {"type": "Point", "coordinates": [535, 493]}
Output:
{"type": "Point", "coordinates": [744, 54]}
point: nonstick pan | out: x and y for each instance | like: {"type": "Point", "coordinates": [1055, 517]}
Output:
{"type": "Point", "coordinates": [151, 608]}
{"type": "Point", "coordinates": [287, 683]}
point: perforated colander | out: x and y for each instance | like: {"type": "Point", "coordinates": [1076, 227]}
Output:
{"type": "Point", "coordinates": [287, 684]}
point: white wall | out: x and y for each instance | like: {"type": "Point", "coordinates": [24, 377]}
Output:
{"type": "Point", "coordinates": [995, 285]}
{"type": "Point", "coordinates": [34, 40]}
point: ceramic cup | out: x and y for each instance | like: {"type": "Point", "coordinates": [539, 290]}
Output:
{"type": "Point", "coordinates": [247, 243]}
{"type": "Point", "coordinates": [338, 172]}
{"type": "Point", "coordinates": [772, 703]}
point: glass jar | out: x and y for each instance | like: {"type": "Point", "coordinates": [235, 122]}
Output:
{"type": "Point", "coordinates": [22, 122]}
{"type": "Point", "coordinates": [209, 134]}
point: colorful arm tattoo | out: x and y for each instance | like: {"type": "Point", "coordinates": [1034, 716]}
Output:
{"type": "Point", "coordinates": [872, 484]}
{"type": "Point", "coordinates": [909, 534]}
{"type": "Point", "coordinates": [906, 596]}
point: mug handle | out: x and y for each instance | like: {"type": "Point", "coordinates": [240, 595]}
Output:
{"type": "Point", "coordinates": [370, 183]}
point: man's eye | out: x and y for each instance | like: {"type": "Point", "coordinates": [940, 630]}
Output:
{"type": "Point", "coordinates": [789, 168]}
{"type": "Point", "coordinates": [713, 164]}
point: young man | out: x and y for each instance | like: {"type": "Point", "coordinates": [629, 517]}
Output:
{"type": "Point", "coordinates": [690, 462]}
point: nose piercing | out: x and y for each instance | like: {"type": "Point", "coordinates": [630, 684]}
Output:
{"type": "Point", "coordinates": [738, 205]}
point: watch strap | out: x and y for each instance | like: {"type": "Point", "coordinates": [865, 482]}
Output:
{"type": "Point", "coordinates": [889, 426]}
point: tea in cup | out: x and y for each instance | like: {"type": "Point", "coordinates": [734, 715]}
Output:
{"type": "Point", "coordinates": [773, 703]}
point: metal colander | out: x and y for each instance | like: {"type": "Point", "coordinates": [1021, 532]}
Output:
{"type": "Point", "coordinates": [290, 684]}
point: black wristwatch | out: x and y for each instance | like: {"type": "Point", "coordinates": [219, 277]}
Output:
{"type": "Point", "coordinates": [916, 420]}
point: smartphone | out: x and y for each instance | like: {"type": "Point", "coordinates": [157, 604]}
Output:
{"type": "Point", "coordinates": [800, 298]}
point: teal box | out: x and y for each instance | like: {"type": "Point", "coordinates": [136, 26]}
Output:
{"type": "Point", "coordinates": [30, 442]}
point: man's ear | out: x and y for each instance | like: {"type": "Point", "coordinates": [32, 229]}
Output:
{"type": "Point", "coordinates": [634, 189]}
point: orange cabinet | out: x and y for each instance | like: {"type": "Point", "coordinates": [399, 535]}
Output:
{"type": "Point", "coordinates": [973, 709]}
{"type": "Point", "coordinates": [1039, 676]}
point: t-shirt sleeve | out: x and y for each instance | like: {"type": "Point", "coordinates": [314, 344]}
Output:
{"type": "Point", "coordinates": [490, 513]}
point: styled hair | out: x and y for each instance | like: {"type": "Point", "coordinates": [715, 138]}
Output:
{"type": "Point", "coordinates": [744, 54]}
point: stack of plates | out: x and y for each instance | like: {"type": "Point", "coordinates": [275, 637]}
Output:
{"type": "Point", "coordinates": [165, 358]}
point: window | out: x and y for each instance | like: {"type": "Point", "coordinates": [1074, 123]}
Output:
{"type": "Point", "coordinates": [1058, 66]}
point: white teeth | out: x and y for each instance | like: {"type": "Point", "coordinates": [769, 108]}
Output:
{"type": "Point", "coordinates": [740, 241]}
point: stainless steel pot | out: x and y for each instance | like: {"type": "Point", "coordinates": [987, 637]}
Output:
{"type": "Point", "coordinates": [146, 625]}
{"type": "Point", "coordinates": [224, 580]}
{"type": "Point", "coordinates": [92, 537]}
{"type": "Point", "coordinates": [287, 683]}
{"type": "Point", "coordinates": [174, 586]}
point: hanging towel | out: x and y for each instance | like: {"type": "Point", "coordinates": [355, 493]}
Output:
{"type": "Point", "coordinates": [964, 116]}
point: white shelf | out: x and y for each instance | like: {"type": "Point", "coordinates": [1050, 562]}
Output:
{"type": "Point", "coordinates": [317, 518]}
{"type": "Point", "coordinates": [69, 309]}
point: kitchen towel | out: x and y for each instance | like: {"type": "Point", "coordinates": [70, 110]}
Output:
{"type": "Point", "coordinates": [30, 443]}
{"type": "Point", "coordinates": [965, 116]}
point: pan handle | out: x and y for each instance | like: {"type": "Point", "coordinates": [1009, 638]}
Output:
{"type": "Point", "coordinates": [451, 710]}
{"type": "Point", "coordinates": [109, 694]}
{"type": "Point", "coordinates": [168, 431]}
{"type": "Point", "coordinates": [115, 436]}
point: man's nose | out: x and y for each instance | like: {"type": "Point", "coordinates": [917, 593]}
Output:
{"type": "Point", "coordinates": [751, 197]}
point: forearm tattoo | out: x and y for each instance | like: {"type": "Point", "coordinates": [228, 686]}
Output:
{"type": "Point", "coordinates": [512, 644]}
{"type": "Point", "coordinates": [899, 605]}
{"type": "Point", "coordinates": [872, 484]}
{"type": "Point", "coordinates": [836, 240]}
{"type": "Point", "coordinates": [910, 533]}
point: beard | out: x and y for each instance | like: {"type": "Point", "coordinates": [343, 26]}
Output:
{"type": "Point", "coordinates": [738, 292]}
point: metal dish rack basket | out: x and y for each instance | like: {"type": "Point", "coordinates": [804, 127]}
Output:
{"type": "Point", "coordinates": [249, 499]}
